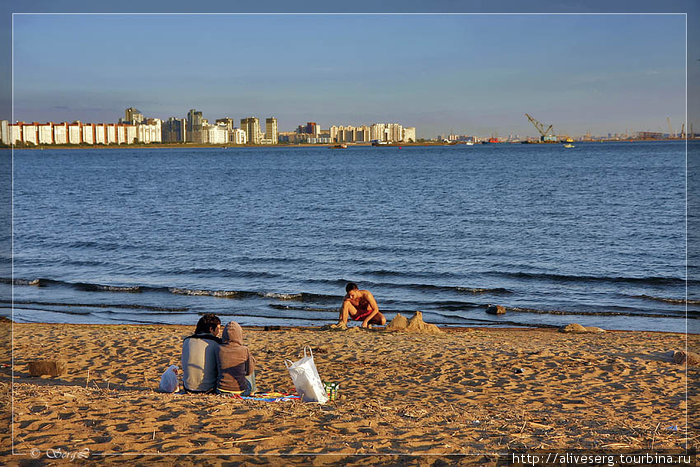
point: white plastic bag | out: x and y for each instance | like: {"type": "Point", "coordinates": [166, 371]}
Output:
{"type": "Point", "coordinates": [168, 382]}
{"type": "Point", "coordinates": [306, 380]}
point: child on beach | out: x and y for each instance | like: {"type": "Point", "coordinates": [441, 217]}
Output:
{"type": "Point", "coordinates": [235, 363]}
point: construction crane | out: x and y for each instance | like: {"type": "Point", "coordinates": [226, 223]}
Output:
{"type": "Point", "coordinates": [545, 137]}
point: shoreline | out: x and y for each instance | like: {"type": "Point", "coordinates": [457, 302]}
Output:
{"type": "Point", "coordinates": [324, 145]}
{"type": "Point", "coordinates": [462, 392]}
{"type": "Point", "coordinates": [275, 327]}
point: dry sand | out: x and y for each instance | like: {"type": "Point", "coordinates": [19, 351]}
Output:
{"type": "Point", "coordinates": [478, 392]}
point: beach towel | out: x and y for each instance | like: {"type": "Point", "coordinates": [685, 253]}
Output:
{"type": "Point", "coordinates": [264, 396]}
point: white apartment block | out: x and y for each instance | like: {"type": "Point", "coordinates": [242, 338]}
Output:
{"type": "Point", "coordinates": [30, 133]}
{"type": "Point", "coordinates": [100, 133]}
{"type": "Point", "coordinates": [215, 134]}
{"type": "Point", "coordinates": [89, 133]}
{"type": "Point", "coordinates": [16, 134]}
{"type": "Point", "coordinates": [149, 132]}
{"type": "Point", "coordinates": [60, 133]}
{"type": "Point", "coordinates": [75, 135]}
{"type": "Point", "coordinates": [121, 134]}
{"type": "Point", "coordinates": [238, 136]}
{"type": "Point", "coordinates": [4, 132]}
{"type": "Point", "coordinates": [46, 133]}
{"type": "Point", "coordinates": [130, 133]}
{"type": "Point", "coordinates": [409, 134]}
{"type": "Point", "coordinates": [111, 134]}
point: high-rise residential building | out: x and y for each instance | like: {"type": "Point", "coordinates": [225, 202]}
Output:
{"type": "Point", "coordinates": [238, 136]}
{"type": "Point", "coordinates": [133, 116]}
{"type": "Point", "coordinates": [30, 133]}
{"type": "Point", "coordinates": [45, 133]}
{"type": "Point", "coordinates": [174, 130]}
{"type": "Point", "coordinates": [75, 133]}
{"type": "Point", "coordinates": [194, 126]}
{"type": "Point", "coordinates": [88, 133]}
{"type": "Point", "coordinates": [251, 126]}
{"type": "Point", "coordinates": [271, 129]}
{"type": "Point", "coordinates": [227, 122]}
{"type": "Point", "coordinates": [312, 128]}
{"type": "Point", "coordinates": [150, 131]}
{"type": "Point", "coordinates": [409, 134]}
{"type": "Point", "coordinates": [215, 134]}
{"type": "Point", "coordinates": [16, 133]}
{"type": "Point", "coordinates": [5, 132]}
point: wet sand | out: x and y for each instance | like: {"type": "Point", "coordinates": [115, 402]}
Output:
{"type": "Point", "coordinates": [475, 393]}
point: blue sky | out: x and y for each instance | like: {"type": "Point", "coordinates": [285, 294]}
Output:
{"type": "Point", "coordinates": [473, 74]}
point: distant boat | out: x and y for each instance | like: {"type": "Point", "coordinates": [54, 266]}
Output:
{"type": "Point", "coordinates": [469, 143]}
{"type": "Point", "coordinates": [339, 146]}
{"type": "Point", "coordinates": [569, 145]}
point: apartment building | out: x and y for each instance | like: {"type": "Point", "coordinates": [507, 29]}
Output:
{"type": "Point", "coordinates": [251, 126]}
{"type": "Point", "coordinates": [238, 136]}
{"type": "Point", "coordinates": [271, 130]}
{"type": "Point", "coordinates": [194, 126]}
{"type": "Point", "coordinates": [174, 130]}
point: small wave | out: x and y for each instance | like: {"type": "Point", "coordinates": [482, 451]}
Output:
{"type": "Point", "coordinates": [652, 280]}
{"type": "Point", "coordinates": [98, 305]}
{"type": "Point", "coordinates": [677, 301]}
{"type": "Point", "coordinates": [302, 308]}
{"type": "Point", "coordinates": [33, 282]}
{"type": "Point", "coordinates": [477, 290]}
{"type": "Point", "coordinates": [106, 288]}
{"type": "Point", "coordinates": [282, 296]}
{"type": "Point", "coordinates": [439, 288]}
{"type": "Point", "coordinates": [302, 297]}
{"type": "Point", "coordinates": [390, 273]}
{"type": "Point", "coordinates": [84, 286]}
{"type": "Point", "coordinates": [222, 272]}
{"type": "Point", "coordinates": [597, 313]}
{"type": "Point", "coordinates": [211, 293]}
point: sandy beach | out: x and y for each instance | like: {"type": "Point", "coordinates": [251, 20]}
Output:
{"type": "Point", "coordinates": [471, 393]}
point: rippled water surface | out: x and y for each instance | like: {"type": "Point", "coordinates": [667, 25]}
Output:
{"type": "Point", "coordinates": [593, 234]}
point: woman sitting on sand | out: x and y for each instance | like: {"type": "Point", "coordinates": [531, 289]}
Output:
{"type": "Point", "coordinates": [199, 372]}
{"type": "Point", "coordinates": [235, 363]}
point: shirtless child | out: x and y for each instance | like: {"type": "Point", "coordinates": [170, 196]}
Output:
{"type": "Point", "coordinates": [360, 305]}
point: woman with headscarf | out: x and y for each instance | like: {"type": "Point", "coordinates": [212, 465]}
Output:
{"type": "Point", "coordinates": [236, 364]}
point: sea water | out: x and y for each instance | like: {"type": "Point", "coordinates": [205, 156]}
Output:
{"type": "Point", "coordinates": [594, 234]}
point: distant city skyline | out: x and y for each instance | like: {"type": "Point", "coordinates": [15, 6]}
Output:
{"type": "Point", "coordinates": [445, 73]}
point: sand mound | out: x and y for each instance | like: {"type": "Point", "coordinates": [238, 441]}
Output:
{"type": "Point", "coordinates": [413, 325]}
{"type": "Point", "coordinates": [578, 329]}
{"type": "Point", "coordinates": [573, 328]}
{"type": "Point", "coordinates": [682, 357]}
{"type": "Point", "coordinates": [47, 367]}
{"type": "Point", "coordinates": [399, 323]}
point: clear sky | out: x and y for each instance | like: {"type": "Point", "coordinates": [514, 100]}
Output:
{"type": "Point", "coordinates": [470, 74]}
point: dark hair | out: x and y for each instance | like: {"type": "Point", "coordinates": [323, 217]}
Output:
{"type": "Point", "coordinates": [350, 286]}
{"type": "Point", "coordinates": [207, 323]}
